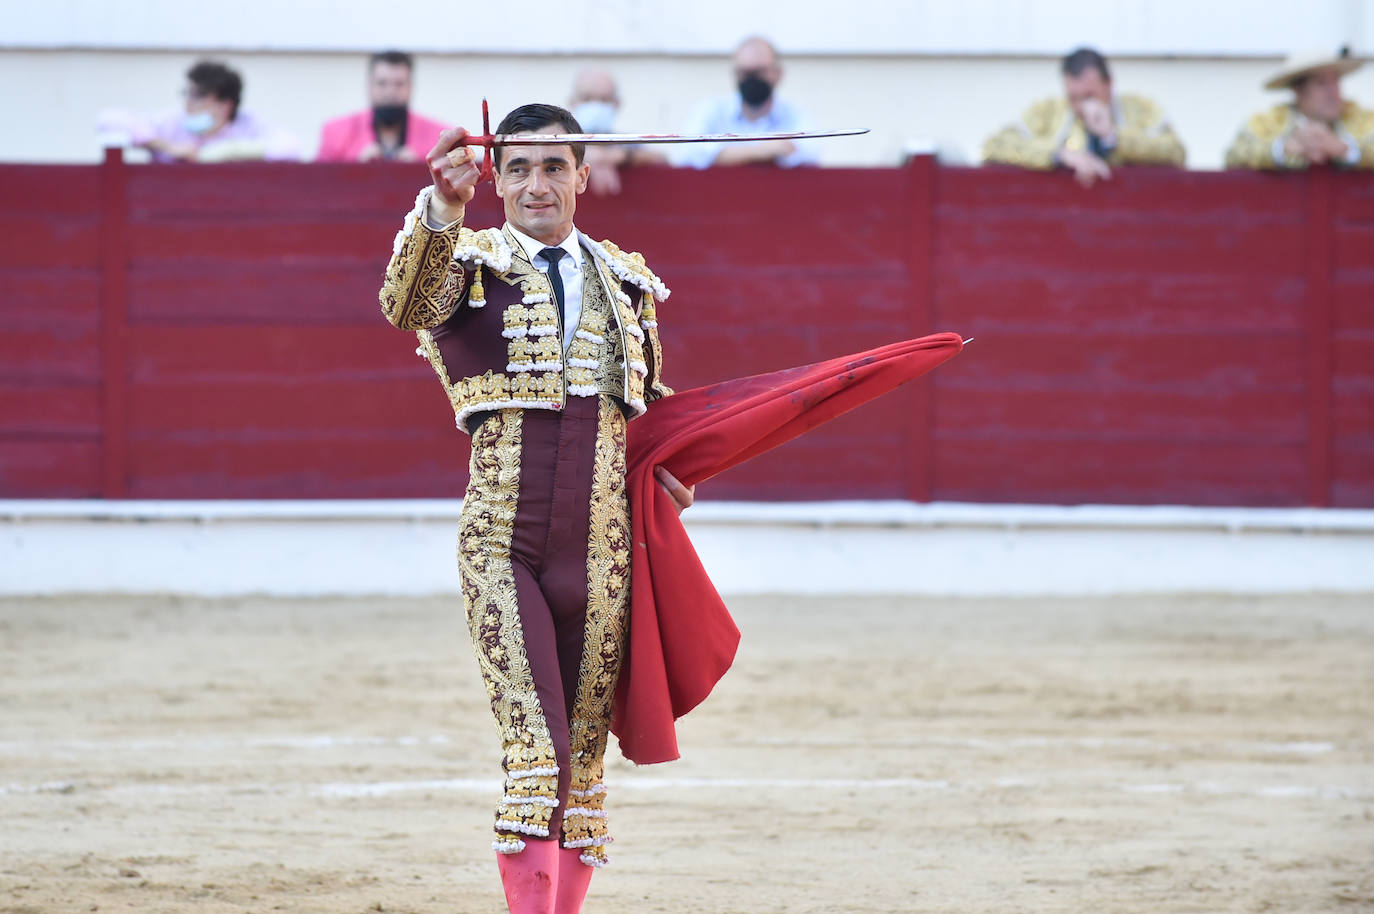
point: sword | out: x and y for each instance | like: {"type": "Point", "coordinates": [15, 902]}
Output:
{"type": "Point", "coordinates": [489, 141]}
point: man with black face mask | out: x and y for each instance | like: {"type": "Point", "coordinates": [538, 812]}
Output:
{"type": "Point", "coordinates": [388, 130]}
{"type": "Point", "coordinates": [755, 108]}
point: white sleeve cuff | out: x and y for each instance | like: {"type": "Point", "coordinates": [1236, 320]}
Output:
{"type": "Point", "coordinates": [1277, 152]}
{"type": "Point", "coordinates": [430, 223]}
{"type": "Point", "coordinates": [1352, 148]}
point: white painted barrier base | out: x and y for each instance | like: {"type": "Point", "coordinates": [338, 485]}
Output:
{"type": "Point", "coordinates": [306, 548]}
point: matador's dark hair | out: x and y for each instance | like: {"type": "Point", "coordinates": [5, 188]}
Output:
{"type": "Point", "coordinates": [535, 117]}
{"type": "Point", "coordinates": [1082, 59]}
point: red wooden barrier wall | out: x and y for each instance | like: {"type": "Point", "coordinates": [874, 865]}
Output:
{"type": "Point", "coordinates": [212, 332]}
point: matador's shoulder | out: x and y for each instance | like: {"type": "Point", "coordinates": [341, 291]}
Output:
{"type": "Point", "coordinates": [629, 266]}
{"type": "Point", "coordinates": [488, 247]}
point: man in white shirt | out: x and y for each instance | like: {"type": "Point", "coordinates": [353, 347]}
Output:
{"type": "Point", "coordinates": [756, 108]}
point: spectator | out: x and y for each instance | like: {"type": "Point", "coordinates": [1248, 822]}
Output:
{"type": "Point", "coordinates": [1089, 130]}
{"type": "Point", "coordinates": [212, 128]}
{"type": "Point", "coordinates": [595, 104]}
{"type": "Point", "coordinates": [1316, 127]}
{"type": "Point", "coordinates": [388, 129]}
{"type": "Point", "coordinates": [756, 109]}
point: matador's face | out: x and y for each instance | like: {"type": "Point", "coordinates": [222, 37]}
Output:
{"type": "Point", "coordinates": [539, 187]}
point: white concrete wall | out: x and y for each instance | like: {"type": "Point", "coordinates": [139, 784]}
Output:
{"type": "Point", "coordinates": [533, 27]}
{"type": "Point", "coordinates": [912, 71]}
{"type": "Point", "coordinates": [407, 547]}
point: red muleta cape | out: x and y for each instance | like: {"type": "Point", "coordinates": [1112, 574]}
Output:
{"type": "Point", "coordinates": [682, 639]}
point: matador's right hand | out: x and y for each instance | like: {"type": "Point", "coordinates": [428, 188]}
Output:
{"type": "Point", "coordinates": [453, 169]}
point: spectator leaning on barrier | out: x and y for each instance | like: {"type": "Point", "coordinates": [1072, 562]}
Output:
{"type": "Point", "coordinates": [1089, 130]}
{"type": "Point", "coordinates": [1316, 127]}
{"type": "Point", "coordinates": [212, 128]}
{"type": "Point", "coordinates": [756, 108]}
{"type": "Point", "coordinates": [595, 103]}
{"type": "Point", "coordinates": [387, 128]}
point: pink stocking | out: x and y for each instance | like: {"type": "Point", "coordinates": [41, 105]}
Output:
{"type": "Point", "coordinates": [530, 877]}
{"type": "Point", "coordinates": [573, 878]}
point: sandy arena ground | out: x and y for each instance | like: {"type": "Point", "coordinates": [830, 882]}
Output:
{"type": "Point", "coordinates": [864, 755]}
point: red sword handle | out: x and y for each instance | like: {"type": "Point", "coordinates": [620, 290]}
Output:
{"type": "Point", "coordinates": [485, 140]}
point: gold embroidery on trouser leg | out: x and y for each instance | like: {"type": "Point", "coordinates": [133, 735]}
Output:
{"type": "Point", "coordinates": [484, 540]}
{"type": "Point", "coordinates": [608, 600]}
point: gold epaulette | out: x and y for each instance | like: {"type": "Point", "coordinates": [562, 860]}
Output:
{"type": "Point", "coordinates": [629, 266]}
{"type": "Point", "coordinates": [485, 246]}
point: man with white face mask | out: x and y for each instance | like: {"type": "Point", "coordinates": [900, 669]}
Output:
{"type": "Point", "coordinates": [755, 109]}
{"type": "Point", "coordinates": [213, 128]}
{"type": "Point", "coordinates": [595, 103]}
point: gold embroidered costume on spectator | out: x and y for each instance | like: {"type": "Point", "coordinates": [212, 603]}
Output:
{"type": "Point", "coordinates": [1317, 127]}
{"type": "Point", "coordinates": [1260, 143]}
{"type": "Point", "coordinates": [1048, 127]}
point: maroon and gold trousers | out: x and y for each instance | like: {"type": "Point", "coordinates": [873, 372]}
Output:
{"type": "Point", "coordinates": [544, 557]}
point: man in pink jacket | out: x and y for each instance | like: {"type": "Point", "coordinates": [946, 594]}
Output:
{"type": "Point", "coordinates": [386, 130]}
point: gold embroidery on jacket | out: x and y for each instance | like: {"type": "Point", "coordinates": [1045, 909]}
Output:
{"type": "Point", "coordinates": [622, 358]}
{"type": "Point", "coordinates": [594, 355]}
{"type": "Point", "coordinates": [423, 286]}
{"type": "Point", "coordinates": [653, 350]}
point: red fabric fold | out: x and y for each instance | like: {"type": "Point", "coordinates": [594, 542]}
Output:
{"type": "Point", "coordinates": [682, 638]}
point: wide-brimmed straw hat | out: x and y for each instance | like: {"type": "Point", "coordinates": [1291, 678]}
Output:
{"type": "Point", "coordinates": [1304, 62]}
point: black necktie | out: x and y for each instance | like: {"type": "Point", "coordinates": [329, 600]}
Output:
{"type": "Point", "coordinates": [552, 256]}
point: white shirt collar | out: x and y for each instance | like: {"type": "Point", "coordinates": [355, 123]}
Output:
{"type": "Point", "coordinates": [571, 244]}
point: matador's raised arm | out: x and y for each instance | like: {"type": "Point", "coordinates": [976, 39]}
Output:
{"type": "Point", "coordinates": [423, 284]}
